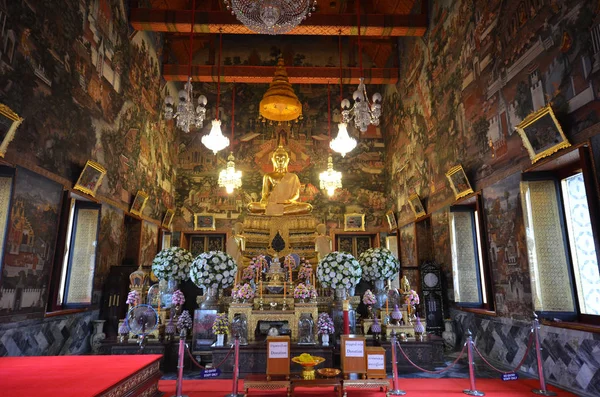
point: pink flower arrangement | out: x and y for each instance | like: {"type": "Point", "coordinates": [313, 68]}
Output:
{"type": "Point", "coordinates": [133, 298]}
{"type": "Point", "coordinates": [305, 271]}
{"type": "Point", "coordinates": [178, 298]}
{"type": "Point", "coordinates": [313, 291]}
{"type": "Point", "coordinates": [369, 298]}
{"type": "Point", "coordinates": [325, 324]}
{"type": "Point", "coordinates": [245, 292]}
{"type": "Point", "coordinates": [184, 321]}
{"type": "Point", "coordinates": [301, 291]}
{"type": "Point", "coordinates": [288, 262]}
{"type": "Point", "coordinates": [249, 273]}
{"type": "Point", "coordinates": [412, 298]}
{"type": "Point", "coordinates": [234, 291]}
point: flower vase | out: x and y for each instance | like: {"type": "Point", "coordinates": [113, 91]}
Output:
{"type": "Point", "coordinates": [211, 301]}
{"type": "Point", "coordinates": [325, 340]}
{"type": "Point", "coordinates": [220, 339]}
{"type": "Point", "coordinates": [341, 294]}
{"type": "Point", "coordinates": [380, 294]}
{"type": "Point", "coordinates": [98, 335]}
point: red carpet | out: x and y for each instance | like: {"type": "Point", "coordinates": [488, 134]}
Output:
{"type": "Point", "coordinates": [413, 387]}
{"type": "Point", "coordinates": [67, 376]}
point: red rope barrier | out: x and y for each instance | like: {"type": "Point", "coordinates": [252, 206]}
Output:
{"type": "Point", "coordinates": [432, 372]}
{"type": "Point", "coordinates": [202, 366]}
{"type": "Point", "coordinates": [518, 365]}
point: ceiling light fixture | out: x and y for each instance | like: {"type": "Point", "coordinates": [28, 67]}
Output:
{"type": "Point", "coordinates": [363, 111]}
{"type": "Point", "coordinates": [186, 115]}
{"type": "Point", "coordinates": [216, 141]}
{"type": "Point", "coordinates": [343, 143]}
{"type": "Point", "coordinates": [330, 179]}
{"type": "Point", "coordinates": [271, 16]}
{"type": "Point", "coordinates": [230, 178]}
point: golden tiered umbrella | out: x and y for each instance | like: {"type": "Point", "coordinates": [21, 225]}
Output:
{"type": "Point", "coordinates": [280, 103]}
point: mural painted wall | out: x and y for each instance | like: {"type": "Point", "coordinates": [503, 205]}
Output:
{"type": "Point", "coordinates": [88, 88]}
{"type": "Point", "coordinates": [254, 141]}
{"type": "Point", "coordinates": [481, 68]}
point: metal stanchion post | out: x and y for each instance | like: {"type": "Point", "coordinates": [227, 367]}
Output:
{"type": "Point", "coordinates": [236, 369]}
{"type": "Point", "coordinates": [395, 391]}
{"type": "Point", "coordinates": [472, 391]}
{"type": "Point", "coordinates": [538, 352]}
{"type": "Point", "coordinates": [180, 365]}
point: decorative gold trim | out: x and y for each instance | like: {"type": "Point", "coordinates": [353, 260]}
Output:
{"type": "Point", "coordinates": [196, 225]}
{"type": "Point", "coordinates": [10, 134]}
{"type": "Point", "coordinates": [415, 202]}
{"type": "Point", "coordinates": [79, 186]}
{"type": "Point", "coordinates": [167, 219]}
{"type": "Point", "coordinates": [531, 119]}
{"type": "Point", "coordinates": [360, 228]}
{"type": "Point", "coordinates": [454, 170]}
{"type": "Point", "coordinates": [141, 195]}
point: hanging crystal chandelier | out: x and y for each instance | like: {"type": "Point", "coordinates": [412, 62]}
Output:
{"type": "Point", "coordinates": [330, 179]}
{"type": "Point", "coordinates": [343, 143]}
{"type": "Point", "coordinates": [363, 112]}
{"type": "Point", "coordinates": [230, 178]}
{"type": "Point", "coordinates": [186, 115]}
{"type": "Point", "coordinates": [271, 16]}
{"type": "Point", "coordinates": [215, 140]}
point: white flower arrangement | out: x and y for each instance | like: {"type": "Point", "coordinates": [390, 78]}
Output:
{"type": "Point", "coordinates": [339, 270]}
{"type": "Point", "coordinates": [213, 269]}
{"type": "Point", "coordinates": [172, 264]}
{"type": "Point", "coordinates": [378, 264]}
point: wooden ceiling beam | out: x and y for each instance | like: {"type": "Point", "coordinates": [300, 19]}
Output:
{"type": "Point", "coordinates": [264, 74]}
{"type": "Point", "coordinates": [160, 20]}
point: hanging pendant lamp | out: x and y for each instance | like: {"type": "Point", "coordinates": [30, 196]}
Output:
{"type": "Point", "coordinates": [343, 143]}
{"type": "Point", "coordinates": [215, 140]}
{"type": "Point", "coordinates": [330, 179]}
{"type": "Point", "coordinates": [230, 178]}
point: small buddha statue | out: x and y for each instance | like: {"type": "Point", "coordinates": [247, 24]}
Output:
{"type": "Point", "coordinates": [280, 189]}
{"type": "Point", "coordinates": [404, 285]}
{"type": "Point", "coordinates": [237, 244]}
{"type": "Point", "coordinates": [322, 242]}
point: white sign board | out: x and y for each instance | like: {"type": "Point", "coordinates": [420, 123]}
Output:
{"type": "Point", "coordinates": [375, 361]}
{"type": "Point", "coordinates": [278, 349]}
{"type": "Point", "coordinates": [355, 348]}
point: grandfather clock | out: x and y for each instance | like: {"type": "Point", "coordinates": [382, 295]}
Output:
{"type": "Point", "coordinates": [431, 286]}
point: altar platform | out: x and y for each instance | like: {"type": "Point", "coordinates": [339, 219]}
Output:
{"type": "Point", "coordinates": [80, 376]}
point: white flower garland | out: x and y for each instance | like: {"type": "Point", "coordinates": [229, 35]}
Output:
{"type": "Point", "coordinates": [213, 269]}
{"type": "Point", "coordinates": [339, 270]}
{"type": "Point", "coordinates": [172, 264]}
{"type": "Point", "coordinates": [378, 264]}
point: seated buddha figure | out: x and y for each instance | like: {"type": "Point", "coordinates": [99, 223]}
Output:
{"type": "Point", "coordinates": [280, 189]}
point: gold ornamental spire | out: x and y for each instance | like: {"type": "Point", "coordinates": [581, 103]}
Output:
{"type": "Point", "coordinates": [280, 103]}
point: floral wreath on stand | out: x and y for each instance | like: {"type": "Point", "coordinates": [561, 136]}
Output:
{"type": "Point", "coordinates": [172, 264]}
{"type": "Point", "coordinates": [378, 264]}
{"type": "Point", "coordinates": [339, 270]}
{"type": "Point", "coordinates": [213, 269]}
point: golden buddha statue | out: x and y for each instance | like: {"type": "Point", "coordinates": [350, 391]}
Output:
{"type": "Point", "coordinates": [280, 190]}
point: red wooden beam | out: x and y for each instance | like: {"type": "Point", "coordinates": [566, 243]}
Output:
{"type": "Point", "coordinates": [318, 24]}
{"type": "Point", "coordinates": [264, 74]}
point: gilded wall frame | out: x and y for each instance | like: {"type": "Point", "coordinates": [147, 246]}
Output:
{"type": "Point", "coordinates": [167, 219]}
{"type": "Point", "coordinates": [90, 178]}
{"type": "Point", "coordinates": [9, 121]}
{"type": "Point", "coordinates": [458, 182]}
{"type": "Point", "coordinates": [354, 222]}
{"type": "Point", "coordinates": [416, 205]}
{"type": "Point", "coordinates": [541, 134]}
{"type": "Point", "coordinates": [138, 203]}
{"type": "Point", "coordinates": [391, 219]}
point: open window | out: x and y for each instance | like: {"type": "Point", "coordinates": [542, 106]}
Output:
{"type": "Point", "coordinates": [78, 258]}
{"type": "Point", "coordinates": [470, 274]}
{"type": "Point", "coordinates": [561, 237]}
